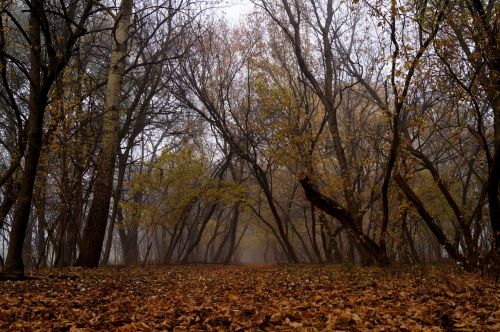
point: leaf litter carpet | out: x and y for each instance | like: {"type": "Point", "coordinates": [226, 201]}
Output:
{"type": "Point", "coordinates": [258, 298]}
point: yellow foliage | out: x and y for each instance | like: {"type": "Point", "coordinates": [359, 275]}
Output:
{"type": "Point", "coordinates": [173, 184]}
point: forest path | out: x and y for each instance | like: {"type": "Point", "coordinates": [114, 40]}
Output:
{"type": "Point", "coordinates": [257, 297]}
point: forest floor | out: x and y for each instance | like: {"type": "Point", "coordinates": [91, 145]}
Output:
{"type": "Point", "coordinates": [250, 297]}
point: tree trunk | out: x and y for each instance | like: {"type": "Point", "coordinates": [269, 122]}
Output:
{"type": "Point", "coordinates": [129, 237]}
{"type": "Point", "coordinates": [39, 203]}
{"type": "Point", "coordinates": [95, 229]}
{"type": "Point", "coordinates": [451, 248]}
{"type": "Point", "coordinates": [122, 164]}
{"type": "Point", "coordinates": [199, 234]}
{"type": "Point", "coordinates": [232, 234]}
{"type": "Point", "coordinates": [345, 218]}
{"type": "Point", "coordinates": [131, 250]}
{"type": "Point", "coordinates": [314, 241]}
{"type": "Point", "coordinates": [14, 262]}
{"type": "Point", "coordinates": [208, 248]}
{"type": "Point", "coordinates": [9, 198]}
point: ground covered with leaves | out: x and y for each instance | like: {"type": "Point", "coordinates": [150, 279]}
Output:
{"type": "Point", "coordinates": [238, 298]}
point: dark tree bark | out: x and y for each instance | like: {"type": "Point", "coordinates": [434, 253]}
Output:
{"type": "Point", "coordinates": [451, 248]}
{"type": "Point", "coordinates": [233, 227]}
{"type": "Point", "coordinates": [477, 37]}
{"type": "Point", "coordinates": [37, 101]}
{"type": "Point", "coordinates": [486, 35]}
{"type": "Point", "coordinates": [44, 69]}
{"type": "Point", "coordinates": [210, 211]}
{"type": "Point", "coordinates": [345, 218]}
{"type": "Point", "coordinates": [10, 197]}
{"type": "Point", "coordinates": [128, 240]}
{"type": "Point", "coordinates": [314, 241]}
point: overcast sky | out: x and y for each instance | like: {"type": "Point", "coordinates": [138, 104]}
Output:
{"type": "Point", "coordinates": [235, 9]}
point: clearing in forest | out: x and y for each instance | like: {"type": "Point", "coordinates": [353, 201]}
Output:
{"type": "Point", "coordinates": [238, 298]}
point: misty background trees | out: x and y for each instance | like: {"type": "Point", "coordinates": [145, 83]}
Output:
{"type": "Point", "coordinates": [139, 132]}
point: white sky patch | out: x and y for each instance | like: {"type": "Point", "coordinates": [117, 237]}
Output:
{"type": "Point", "coordinates": [236, 10]}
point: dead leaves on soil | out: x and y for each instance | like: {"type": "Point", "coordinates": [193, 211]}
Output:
{"type": "Point", "coordinates": [306, 298]}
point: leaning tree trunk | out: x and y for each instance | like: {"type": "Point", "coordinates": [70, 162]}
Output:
{"type": "Point", "coordinates": [451, 248]}
{"type": "Point", "coordinates": [345, 218]}
{"type": "Point", "coordinates": [95, 229]}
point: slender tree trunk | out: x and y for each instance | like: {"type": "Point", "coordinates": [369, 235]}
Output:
{"type": "Point", "coordinates": [199, 234]}
{"type": "Point", "coordinates": [9, 198]}
{"type": "Point", "coordinates": [493, 199]}
{"type": "Point", "coordinates": [14, 262]}
{"type": "Point", "coordinates": [330, 245]}
{"type": "Point", "coordinates": [409, 239]}
{"type": "Point", "coordinates": [208, 249]}
{"type": "Point", "coordinates": [40, 202]}
{"type": "Point", "coordinates": [129, 242]}
{"type": "Point", "coordinates": [286, 244]}
{"type": "Point", "coordinates": [451, 248]}
{"type": "Point", "coordinates": [122, 163]}
{"type": "Point", "coordinates": [314, 241]}
{"type": "Point", "coordinates": [232, 234]}
{"type": "Point", "coordinates": [95, 229]}
{"type": "Point", "coordinates": [132, 249]}
{"type": "Point", "coordinates": [325, 244]}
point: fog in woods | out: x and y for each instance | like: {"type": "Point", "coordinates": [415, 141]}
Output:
{"type": "Point", "coordinates": [170, 132]}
